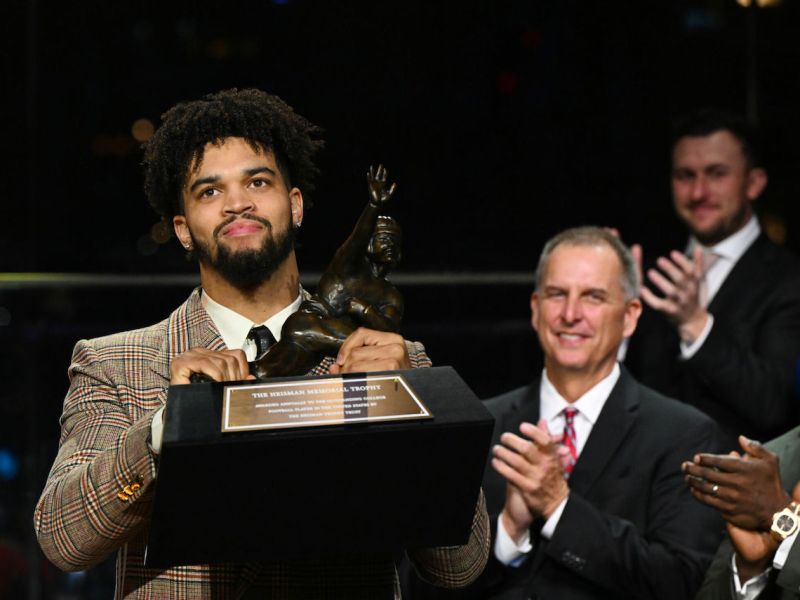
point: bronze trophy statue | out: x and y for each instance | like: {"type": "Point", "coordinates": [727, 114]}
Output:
{"type": "Point", "coordinates": [352, 292]}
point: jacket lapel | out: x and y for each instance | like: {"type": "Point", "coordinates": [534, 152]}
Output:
{"type": "Point", "coordinates": [526, 407]}
{"type": "Point", "coordinates": [189, 326]}
{"type": "Point", "coordinates": [741, 277]}
{"type": "Point", "coordinates": [611, 428]}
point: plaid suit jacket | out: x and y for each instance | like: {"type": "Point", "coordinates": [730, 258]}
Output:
{"type": "Point", "coordinates": [98, 495]}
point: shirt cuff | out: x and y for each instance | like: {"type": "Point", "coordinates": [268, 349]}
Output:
{"type": "Point", "coordinates": [751, 588]}
{"type": "Point", "coordinates": [157, 431]}
{"type": "Point", "coordinates": [689, 350]}
{"type": "Point", "coordinates": [783, 552]}
{"type": "Point", "coordinates": [506, 550]}
{"type": "Point", "coordinates": [550, 525]}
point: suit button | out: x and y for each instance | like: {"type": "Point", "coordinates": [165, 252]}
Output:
{"type": "Point", "coordinates": [573, 560]}
{"type": "Point", "coordinates": [129, 490]}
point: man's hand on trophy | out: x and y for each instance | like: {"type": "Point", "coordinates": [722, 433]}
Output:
{"type": "Point", "coordinates": [376, 181]}
{"type": "Point", "coordinates": [219, 365]}
{"type": "Point", "coordinates": [367, 350]}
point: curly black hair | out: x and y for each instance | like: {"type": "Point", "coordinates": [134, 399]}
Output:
{"type": "Point", "coordinates": [264, 120]}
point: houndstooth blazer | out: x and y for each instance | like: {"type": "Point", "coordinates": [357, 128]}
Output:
{"type": "Point", "coordinates": [98, 495]}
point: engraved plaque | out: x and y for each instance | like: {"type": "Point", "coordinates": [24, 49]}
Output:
{"type": "Point", "coordinates": [312, 402]}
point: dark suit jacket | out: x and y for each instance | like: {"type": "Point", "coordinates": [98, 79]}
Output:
{"type": "Point", "coordinates": [744, 375]}
{"type": "Point", "coordinates": [630, 528]}
{"type": "Point", "coordinates": [783, 584]}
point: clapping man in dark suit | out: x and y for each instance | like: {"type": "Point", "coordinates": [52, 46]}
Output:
{"type": "Point", "coordinates": [723, 332]}
{"type": "Point", "coordinates": [601, 510]}
{"type": "Point", "coordinates": [760, 558]}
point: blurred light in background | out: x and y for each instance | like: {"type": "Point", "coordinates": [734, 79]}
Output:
{"type": "Point", "coordinates": [698, 18]}
{"type": "Point", "coordinates": [507, 82]}
{"type": "Point", "coordinates": [142, 130]}
{"type": "Point", "coordinates": [113, 145]}
{"type": "Point", "coordinates": [775, 228]}
{"type": "Point", "coordinates": [9, 465]}
{"type": "Point", "coordinates": [160, 232]}
{"type": "Point", "coordinates": [760, 3]}
{"type": "Point", "coordinates": [218, 48]}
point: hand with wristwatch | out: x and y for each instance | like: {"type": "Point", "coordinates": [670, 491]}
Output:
{"type": "Point", "coordinates": [746, 489]}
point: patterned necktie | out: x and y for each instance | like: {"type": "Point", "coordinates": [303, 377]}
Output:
{"type": "Point", "coordinates": [262, 337]}
{"type": "Point", "coordinates": [709, 259]}
{"type": "Point", "coordinates": [569, 440]}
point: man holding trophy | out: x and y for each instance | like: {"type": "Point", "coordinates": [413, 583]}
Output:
{"type": "Point", "coordinates": [231, 172]}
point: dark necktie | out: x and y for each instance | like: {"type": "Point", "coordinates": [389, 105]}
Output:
{"type": "Point", "coordinates": [262, 337]}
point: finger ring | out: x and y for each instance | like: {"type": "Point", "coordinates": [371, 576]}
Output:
{"type": "Point", "coordinates": [715, 489]}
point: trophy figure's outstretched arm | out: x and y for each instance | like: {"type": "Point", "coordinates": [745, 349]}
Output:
{"type": "Point", "coordinates": [349, 255]}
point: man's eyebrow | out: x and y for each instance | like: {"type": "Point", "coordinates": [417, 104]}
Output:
{"type": "Point", "coordinates": [214, 178]}
{"type": "Point", "coordinates": [202, 181]}
{"type": "Point", "coordinates": [256, 170]}
{"type": "Point", "coordinates": [596, 290]}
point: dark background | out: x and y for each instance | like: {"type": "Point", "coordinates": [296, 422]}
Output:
{"type": "Point", "coordinates": [503, 122]}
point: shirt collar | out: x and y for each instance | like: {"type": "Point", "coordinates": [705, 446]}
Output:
{"type": "Point", "coordinates": [234, 327]}
{"type": "Point", "coordinates": [589, 405]}
{"type": "Point", "coordinates": [733, 246]}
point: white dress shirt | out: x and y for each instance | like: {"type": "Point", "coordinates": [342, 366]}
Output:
{"type": "Point", "coordinates": [551, 408]}
{"type": "Point", "coordinates": [728, 251]}
{"type": "Point", "coordinates": [233, 328]}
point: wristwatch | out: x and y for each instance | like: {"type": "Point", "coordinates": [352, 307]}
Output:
{"type": "Point", "coordinates": [785, 522]}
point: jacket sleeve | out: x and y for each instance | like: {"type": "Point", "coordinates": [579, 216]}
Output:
{"type": "Point", "coordinates": [417, 355]}
{"type": "Point", "coordinates": [665, 560]}
{"type": "Point", "coordinates": [85, 512]}
{"type": "Point", "coordinates": [456, 566]}
{"type": "Point", "coordinates": [718, 583]}
{"type": "Point", "coordinates": [755, 377]}
{"type": "Point", "coordinates": [789, 576]}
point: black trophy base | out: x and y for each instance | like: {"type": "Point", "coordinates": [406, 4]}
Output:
{"type": "Point", "coordinates": [317, 491]}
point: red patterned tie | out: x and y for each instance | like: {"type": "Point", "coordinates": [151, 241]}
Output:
{"type": "Point", "coordinates": [569, 441]}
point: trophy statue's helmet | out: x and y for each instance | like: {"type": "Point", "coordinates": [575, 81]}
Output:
{"type": "Point", "coordinates": [385, 243]}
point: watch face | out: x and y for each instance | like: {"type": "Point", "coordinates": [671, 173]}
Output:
{"type": "Point", "coordinates": [785, 522]}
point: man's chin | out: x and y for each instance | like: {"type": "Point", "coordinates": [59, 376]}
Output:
{"type": "Point", "coordinates": [708, 235]}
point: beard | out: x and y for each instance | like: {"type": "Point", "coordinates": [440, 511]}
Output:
{"type": "Point", "coordinates": [248, 269]}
